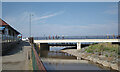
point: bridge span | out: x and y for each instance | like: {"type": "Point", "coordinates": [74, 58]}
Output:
{"type": "Point", "coordinates": [78, 41]}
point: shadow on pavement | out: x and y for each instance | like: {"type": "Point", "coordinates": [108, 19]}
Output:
{"type": "Point", "coordinates": [18, 47]}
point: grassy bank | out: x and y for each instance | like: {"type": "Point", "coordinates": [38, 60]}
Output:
{"type": "Point", "coordinates": [107, 49]}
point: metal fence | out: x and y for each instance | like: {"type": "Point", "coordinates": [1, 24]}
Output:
{"type": "Point", "coordinates": [8, 42]}
{"type": "Point", "coordinates": [8, 38]}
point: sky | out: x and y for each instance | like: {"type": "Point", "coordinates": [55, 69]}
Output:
{"type": "Point", "coordinates": [60, 0]}
{"type": "Point", "coordinates": [62, 18]}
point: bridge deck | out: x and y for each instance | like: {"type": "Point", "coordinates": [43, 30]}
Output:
{"type": "Point", "coordinates": [76, 40]}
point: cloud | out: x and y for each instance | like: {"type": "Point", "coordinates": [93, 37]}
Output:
{"type": "Point", "coordinates": [75, 30]}
{"type": "Point", "coordinates": [21, 23]}
{"type": "Point", "coordinates": [47, 16]}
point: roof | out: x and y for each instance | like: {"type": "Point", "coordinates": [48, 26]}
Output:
{"type": "Point", "coordinates": [3, 23]}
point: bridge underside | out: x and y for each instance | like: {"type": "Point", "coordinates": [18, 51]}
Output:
{"type": "Point", "coordinates": [45, 46]}
{"type": "Point", "coordinates": [63, 44]}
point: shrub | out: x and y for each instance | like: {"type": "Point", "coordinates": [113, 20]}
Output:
{"type": "Point", "coordinates": [106, 55]}
{"type": "Point", "coordinates": [101, 47]}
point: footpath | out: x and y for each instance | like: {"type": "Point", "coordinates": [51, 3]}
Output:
{"type": "Point", "coordinates": [18, 58]}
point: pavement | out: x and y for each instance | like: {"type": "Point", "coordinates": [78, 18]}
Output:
{"type": "Point", "coordinates": [17, 57]}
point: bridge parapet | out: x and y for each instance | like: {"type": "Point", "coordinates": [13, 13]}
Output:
{"type": "Point", "coordinates": [78, 37]}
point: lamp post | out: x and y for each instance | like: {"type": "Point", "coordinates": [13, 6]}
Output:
{"type": "Point", "coordinates": [30, 24]}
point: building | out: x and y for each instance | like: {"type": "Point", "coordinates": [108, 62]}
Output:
{"type": "Point", "coordinates": [9, 35]}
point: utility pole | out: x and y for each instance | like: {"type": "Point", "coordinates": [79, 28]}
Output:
{"type": "Point", "coordinates": [30, 24]}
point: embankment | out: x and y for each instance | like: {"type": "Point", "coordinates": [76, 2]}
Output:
{"type": "Point", "coordinates": [102, 60]}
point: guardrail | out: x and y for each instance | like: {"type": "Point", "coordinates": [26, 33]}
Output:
{"type": "Point", "coordinates": [77, 37]}
{"type": "Point", "coordinates": [36, 61]}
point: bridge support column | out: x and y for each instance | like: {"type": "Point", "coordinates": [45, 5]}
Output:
{"type": "Point", "coordinates": [44, 46]}
{"type": "Point", "coordinates": [43, 49]}
{"type": "Point", "coordinates": [78, 45]}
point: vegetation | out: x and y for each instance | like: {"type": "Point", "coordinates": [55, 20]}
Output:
{"type": "Point", "coordinates": [107, 49]}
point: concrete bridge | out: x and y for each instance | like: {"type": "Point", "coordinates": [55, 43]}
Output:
{"type": "Point", "coordinates": [44, 43]}
{"type": "Point", "coordinates": [62, 44]}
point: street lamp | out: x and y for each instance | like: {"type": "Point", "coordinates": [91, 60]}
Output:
{"type": "Point", "coordinates": [30, 24]}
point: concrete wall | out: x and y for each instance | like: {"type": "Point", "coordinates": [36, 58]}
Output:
{"type": "Point", "coordinates": [44, 46]}
{"type": "Point", "coordinates": [42, 49]}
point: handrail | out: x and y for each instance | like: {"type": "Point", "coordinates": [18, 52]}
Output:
{"type": "Point", "coordinates": [77, 37]}
{"type": "Point", "coordinates": [39, 62]}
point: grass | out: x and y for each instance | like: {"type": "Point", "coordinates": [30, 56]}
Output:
{"type": "Point", "coordinates": [103, 48]}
